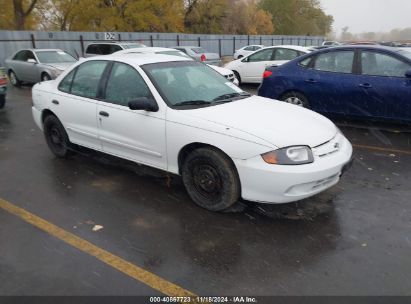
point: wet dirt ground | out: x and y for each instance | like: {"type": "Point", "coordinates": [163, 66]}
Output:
{"type": "Point", "coordinates": [353, 239]}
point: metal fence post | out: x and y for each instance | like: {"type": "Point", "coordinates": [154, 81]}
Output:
{"type": "Point", "coordinates": [248, 40]}
{"type": "Point", "coordinates": [282, 40]}
{"type": "Point", "coordinates": [119, 37]}
{"type": "Point", "coordinates": [151, 40]}
{"type": "Point", "coordinates": [261, 40]}
{"type": "Point", "coordinates": [219, 46]}
{"type": "Point", "coordinates": [33, 41]}
{"type": "Point", "coordinates": [82, 45]}
{"type": "Point", "coordinates": [199, 41]}
{"type": "Point", "coordinates": [272, 40]}
{"type": "Point", "coordinates": [233, 44]}
{"type": "Point", "coordinates": [298, 41]}
{"type": "Point", "coordinates": [178, 40]}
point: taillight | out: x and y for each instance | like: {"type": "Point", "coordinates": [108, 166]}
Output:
{"type": "Point", "coordinates": [203, 58]}
{"type": "Point", "coordinates": [3, 81]}
{"type": "Point", "coordinates": [267, 74]}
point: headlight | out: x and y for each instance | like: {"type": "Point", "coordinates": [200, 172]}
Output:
{"type": "Point", "coordinates": [297, 155]}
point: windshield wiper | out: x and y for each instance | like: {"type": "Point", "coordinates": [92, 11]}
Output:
{"type": "Point", "coordinates": [229, 97]}
{"type": "Point", "coordinates": [192, 103]}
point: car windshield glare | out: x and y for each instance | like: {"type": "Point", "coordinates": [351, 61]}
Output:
{"type": "Point", "coordinates": [174, 53]}
{"type": "Point", "coordinates": [191, 83]}
{"type": "Point", "coordinates": [54, 57]}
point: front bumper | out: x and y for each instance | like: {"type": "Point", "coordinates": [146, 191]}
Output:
{"type": "Point", "coordinates": [276, 184]}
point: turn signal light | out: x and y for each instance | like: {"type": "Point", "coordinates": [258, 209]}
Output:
{"type": "Point", "coordinates": [267, 74]}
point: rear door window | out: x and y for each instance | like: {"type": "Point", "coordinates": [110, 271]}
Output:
{"type": "Point", "coordinates": [65, 84]}
{"type": "Point", "coordinates": [285, 54]}
{"type": "Point", "coordinates": [378, 64]}
{"type": "Point", "coordinates": [93, 49]}
{"type": "Point", "coordinates": [337, 62]}
{"type": "Point", "coordinates": [87, 78]}
{"type": "Point", "coordinates": [263, 55]}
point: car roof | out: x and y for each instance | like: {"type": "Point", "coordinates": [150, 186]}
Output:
{"type": "Point", "coordinates": [140, 59]}
{"type": "Point", "coordinates": [146, 50]}
{"type": "Point", "coordinates": [294, 47]}
{"type": "Point", "coordinates": [365, 47]}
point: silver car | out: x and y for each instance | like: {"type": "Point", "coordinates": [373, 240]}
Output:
{"type": "Point", "coordinates": [199, 54]}
{"type": "Point", "coordinates": [35, 65]}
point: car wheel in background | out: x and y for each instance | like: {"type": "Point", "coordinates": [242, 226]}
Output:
{"type": "Point", "coordinates": [56, 137]}
{"type": "Point", "coordinates": [13, 79]}
{"type": "Point", "coordinates": [211, 179]}
{"type": "Point", "coordinates": [239, 57]}
{"type": "Point", "coordinates": [45, 77]}
{"type": "Point", "coordinates": [296, 98]}
{"type": "Point", "coordinates": [2, 101]}
{"type": "Point", "coordinates": [238, 77]}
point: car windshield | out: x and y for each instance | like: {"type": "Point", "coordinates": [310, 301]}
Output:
{"type": "Point", "coordinates": [191, 83]}
{"type": "Point", "coordinates": [133, 45]}
{"type": "Point", "coordinates": [198, 50]}
{"type": "Point", "coordinates": [405, 53]}
{"type": "Point", "coordinates": [54, 57]}
{"type": "Point", "coordinates": [174, 53]}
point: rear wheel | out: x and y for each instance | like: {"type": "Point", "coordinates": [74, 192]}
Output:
{"type": "Point", "coordinates": [2, 101]}
{"type": "Point", "coordinates": [13, 79]}
{"type": "Point", "coordinates": [296, 98]}
{"type": "Point", "coordinates": [45, 77]}
{"type": "Point", "coordinates": [211, 179]}
{"type": "Point", "coordinates": [56, 137]}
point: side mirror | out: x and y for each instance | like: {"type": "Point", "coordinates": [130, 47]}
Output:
{"type": "Point", "coordinates": [408, 74]}
{"type": "Point", "coordinates": [143, 103]}
{"type": "Point", "coordinates": [31, 60]}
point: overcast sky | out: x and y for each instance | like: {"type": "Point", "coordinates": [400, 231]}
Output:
{"type": "Point", "coordinates": [369, 15]}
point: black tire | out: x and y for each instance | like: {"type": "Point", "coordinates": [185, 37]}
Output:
{"type": "Point", "coordinates": [296, 98]}
{"type": "Point", "coordinates": [238, 77]}
{"type": "Point", "coordinates": [211, 179]}
{"type": "Point", "coordinates": [56, 137]}
{"type": "Point", "coordinates": [239, 57]}
{"type": "Point", "coordinates": [14, 79]}
{"type": "Point", "coordinates": [45, 77]}
{"type": "Point", "coordinates": [2, 101]}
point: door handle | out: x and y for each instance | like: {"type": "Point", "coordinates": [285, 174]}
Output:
{"type": "Point", "coordinates": [56, 102]}
{"type": "Point", "coordinates": [103, 113]}
{"type": "Point", "coordinates": [365, 85]}
{"type": "Point", "coordinates": [311, 80]}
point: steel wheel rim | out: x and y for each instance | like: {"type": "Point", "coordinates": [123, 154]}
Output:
{"type": "Point", "coordinates": [45, 78]}
{"type": "Point", "coordinates": [295, 101]}
{"type": "Point", "coordinates": [207, 181]}
{"type": "Point", "coordinates": [56, 138]}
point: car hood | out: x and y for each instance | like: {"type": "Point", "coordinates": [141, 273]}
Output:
{"type": "Point", "coordinates": [222, 71]}
{"type": "Point", "coordinates": [275, 122]}
{"type": "Point", "coordinates": [60, 65]}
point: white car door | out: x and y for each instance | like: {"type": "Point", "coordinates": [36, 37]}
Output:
{"type": "Point", "coordinates": [253, 66]}
{"type": "Point", "coordinates": [76, 103]}
{"type": "Point", "coordinates": [137, 135]}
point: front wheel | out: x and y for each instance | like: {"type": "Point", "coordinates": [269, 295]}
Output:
{"type": "Point", "coordinates": [56, 137]}
{"type": "Point", "coordinates": [13, 79]}
{"type": "Point", "coordinates": [211, 179]}
{"type": "Point", "coordinates": [296, 98]}
{"type": "Point", "coordinates": [237, 75]}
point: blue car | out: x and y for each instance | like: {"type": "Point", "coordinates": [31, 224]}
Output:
{"type": "Point", "coordinates": [356, 81]}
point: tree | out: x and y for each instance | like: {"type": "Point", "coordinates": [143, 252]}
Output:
{"type": "Point", "coordinates": [18, 14]}
{"type": "Point", "coordinates": [22, 10]}
{"type": "Point", "coordinates": [205, 16]}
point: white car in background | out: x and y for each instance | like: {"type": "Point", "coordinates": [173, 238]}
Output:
{"type": "Point", "coordinates": [247, 50]}
{"type": "Point", "coordinates": [167, 51]}
{"type": "Point", "coordinates": [178, 115]}
{"type": "Point", "coordinates": [250, 69]}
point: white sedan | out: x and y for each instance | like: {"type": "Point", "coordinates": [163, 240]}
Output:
{"type": "Point", "coordinates": [166, 51]}
{"type": "Point", "coordinates": [250, 69]}
{"type": "Point", "coordinates": [247, 50]}
{"type": "Point", "coordinates": [181, 116]}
